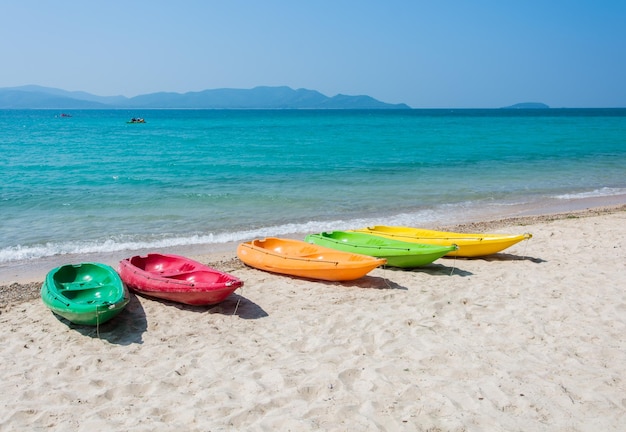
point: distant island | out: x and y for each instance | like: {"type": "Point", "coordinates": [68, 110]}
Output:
{"type": "Point", "coordinates": [528, 105]}
{"type": "Point", "coordinates": [37, 97]}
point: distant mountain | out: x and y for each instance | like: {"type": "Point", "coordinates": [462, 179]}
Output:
{"type": "Point", "coordinates": [37, 97]}
{"type": "Point", "coordinates": [528, 105]}
{"type": "Point", "coordinates": [16, 99]}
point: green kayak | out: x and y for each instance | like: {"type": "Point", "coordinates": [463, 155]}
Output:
{"type": "Point", "coordinates": [398, 253]}
{"type": "Point", "coordinates": [86, 294]}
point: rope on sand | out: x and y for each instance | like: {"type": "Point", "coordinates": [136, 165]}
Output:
{"type": "Point", "coordinates": [238, 301]}
{"type": "Point", "coordinates": [453, 266]}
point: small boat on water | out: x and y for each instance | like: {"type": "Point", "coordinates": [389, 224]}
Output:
{"type": "Point", "coordinates": [177, 278]}
{"type": "Point", "coordinates": [469, 245]}
{"type": "Point", "coordinates": [136, 120]}
{"type": "Point", "coordinates": [397, 253]}
{"type": "Point", "coordinates": [86, 293]}
{"type": "Point", "coordinates": [303, 259]}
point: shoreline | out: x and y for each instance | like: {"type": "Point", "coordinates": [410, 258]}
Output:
{"type": "Point", "coordinates": [34, 270]}
{"type": "Point", "coordinates": [26, 286]}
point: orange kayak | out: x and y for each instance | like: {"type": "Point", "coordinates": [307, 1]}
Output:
{"type": "Point", "coordinates": [302, 259]}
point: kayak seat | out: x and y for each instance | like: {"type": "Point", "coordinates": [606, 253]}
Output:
{"type": "Point", "coordinates": [81, 286]}
{"type": "Point", "coordinates": [90, 295]}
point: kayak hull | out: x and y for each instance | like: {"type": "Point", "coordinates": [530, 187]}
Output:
{"type": "Point", "coordinates": [306, 260]}
{"type": "Point", "coordinates": [85, 293]}
{"type": "Point", "coordinates": [177, 278]}
{"type": "Point", "coordinates": [397, 253]}
{"type": "Point", "coordinates": [469, 245]}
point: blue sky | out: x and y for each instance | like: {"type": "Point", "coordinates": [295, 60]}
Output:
{"type": "Point", "coordinates": [428, 54]}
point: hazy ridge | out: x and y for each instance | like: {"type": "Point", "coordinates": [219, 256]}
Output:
{"type": "Point", "coordinates": [37, 97]}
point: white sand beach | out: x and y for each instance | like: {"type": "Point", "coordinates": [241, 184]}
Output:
{"type": "Point", "coordinates": [532, 339]}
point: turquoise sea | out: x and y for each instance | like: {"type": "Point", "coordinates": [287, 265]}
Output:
{"type": "Point", "coordinates": [93, 183]}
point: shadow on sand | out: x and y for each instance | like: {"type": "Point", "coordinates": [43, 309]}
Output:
{"type": "Point", "coordinates": [434, 270]}
{"type": "Point", "coordinates": [129, 326]}
{"type": "Point", "coordinates": [511, 257]}
{"type": "Point", "coordinates": [125, 329]}
{"type": "Point", "coordinates": [371, 282]}
{"type": "Point", "coordinates": [234, 304]}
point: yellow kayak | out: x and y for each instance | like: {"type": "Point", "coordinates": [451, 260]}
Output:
{"type": "Point", "coordinates": [469, 245]}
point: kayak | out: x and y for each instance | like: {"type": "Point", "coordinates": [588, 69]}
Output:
{"type": "Point", "coordinates": [85, 294]}
{"type": "Point", "coordinates": [469, 245]}
{"type": "Point", "coordinates": [306, 260]}
{"type": "Point", "coordinates": [177, 278]}
{"type": "Point", "coordinates": [397, 253]}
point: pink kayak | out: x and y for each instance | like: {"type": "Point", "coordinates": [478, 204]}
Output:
{"type": "Point", "coordinates": [177, 278]}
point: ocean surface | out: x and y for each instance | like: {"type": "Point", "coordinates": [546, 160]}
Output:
{"type": "Point", "coordinates": [93, 183]}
